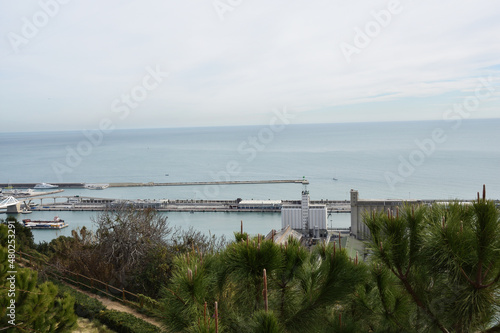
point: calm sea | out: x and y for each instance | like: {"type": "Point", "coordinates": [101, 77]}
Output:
{"type": "Point", "coordinates": [382, 160]}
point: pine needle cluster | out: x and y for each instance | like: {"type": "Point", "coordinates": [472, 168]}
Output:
{"type": "Point", "coordinates": [260, 286]}
{"type": "Point", "coordinates": [446, 260]}
{"type": "Point", "coordinates": [37, 307]}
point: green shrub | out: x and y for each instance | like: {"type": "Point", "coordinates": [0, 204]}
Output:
{"type": "Point", "coordinates": [123, 322]}
{"type": "Point", "coordinates": [238, 237]}
{"type": "Point", "coordinates": [43, 247]}
{"type": "Point", "coordinates": [85, 306]}
{"type": "Point", "coordinates": [24, 236]}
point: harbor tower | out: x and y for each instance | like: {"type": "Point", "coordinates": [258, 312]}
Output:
{"type": "Point", "coordinates": [308, 219]}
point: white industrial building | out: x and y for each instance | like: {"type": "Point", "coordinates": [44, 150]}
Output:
{"type": "Point", "coordinates": [260, 204]}
{"type": "Point", "coordinates": [308, 219]}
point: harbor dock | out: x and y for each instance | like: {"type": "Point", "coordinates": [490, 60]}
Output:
{"type": "Point", "coordinates": [82, 203]}
{"type": "Point", "coordinates": [50, 201]}
{"type": "Point", "coordinates": [87, 203]}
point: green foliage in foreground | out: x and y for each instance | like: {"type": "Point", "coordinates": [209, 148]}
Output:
{"type": "Point", "coordinates": [430, 269]}
{"type": "Point", "coordinates": [443, 263]}
{"type": "Point", "coordinates": [122, 322]}
{"type": "Point", "coordinates": [85, 306]}
{"type": "Point", "coordinates": [24, 236]}
{"type": "Point", "coordinates": [305, 290]}
{"type": "Point", "coordinates": [130, 249]}
{"type": "Point", "coordinates": [91, 308]}
{"type": "Point", "coordinates": [37, 307]}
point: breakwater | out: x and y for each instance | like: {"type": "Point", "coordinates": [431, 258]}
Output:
{"type": "Point", "coordinates": [132, 184]}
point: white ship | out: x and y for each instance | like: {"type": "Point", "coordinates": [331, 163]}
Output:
{"type": "Point", "coordinates": [45, 185]}
{"type": "Point", "coordinates": [57, 223]}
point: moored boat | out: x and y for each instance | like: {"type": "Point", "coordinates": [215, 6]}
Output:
{"type": "Point", "coordinates": [57, 223]}
{"type": "Point", "coordinates": [18, 192]}
{"type": "Point", "coordinates": [45, 185]}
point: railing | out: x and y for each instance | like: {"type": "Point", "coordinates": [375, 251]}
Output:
{"type": "Point", "coordinates": [94, 285]}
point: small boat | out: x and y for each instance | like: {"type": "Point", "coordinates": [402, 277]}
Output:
{"type": "Point", "coordinates": [45, 185]}
{"type": "Point", "coordinates": [335, 179]}
{"type": "Point", "coordinates": [57, 223]}
{"type": "Point", "coordinates": [25, 211]}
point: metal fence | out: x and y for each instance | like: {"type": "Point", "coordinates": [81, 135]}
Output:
{"type": "Point", "coordinates": [88, 283]}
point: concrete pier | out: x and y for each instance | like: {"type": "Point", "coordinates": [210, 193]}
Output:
{"type": "Point", "coordinates": [355, 206]}
{"type": "Point", "coordinates": [39, 194]}
{"type": "Point", "coordinates": [83, 203]}
{"type": "Point", "coordinates": [32, 185]}
{"type": "Point", "coordinates": [230, 182]}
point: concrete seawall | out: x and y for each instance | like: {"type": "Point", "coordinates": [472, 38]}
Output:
{"type": "Point", "coordinates": [130, 184]}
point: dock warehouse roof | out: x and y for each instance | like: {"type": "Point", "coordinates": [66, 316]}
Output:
{"type": "Point", "coordinates": [260, 202]}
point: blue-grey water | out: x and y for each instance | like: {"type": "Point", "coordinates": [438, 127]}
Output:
{"type": "Point", "coordinates": [428, 159]}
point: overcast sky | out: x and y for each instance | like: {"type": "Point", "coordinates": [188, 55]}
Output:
{"type": "Point", "coordinates": [67, 65]}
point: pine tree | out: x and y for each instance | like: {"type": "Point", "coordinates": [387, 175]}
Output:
{"type": "Point", "coordinates": [297, 293]}
{"type": "Point", "coordinates": [447, 260]}
{"type": "Point", "coordinates": [37, 306]}
{"type": "Point", "coordinates": [188, 302]}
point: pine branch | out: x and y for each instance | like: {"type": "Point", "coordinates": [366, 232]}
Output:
{"type": "Point", "coordinates": [474, 284]}
{"type": "Point", "coordinates": [177, 296]}
{"type": "Point", "coordinates": [420, 304]}
{"type": "Point", "coordinates": [493, 329]}
{"type": "Point", "coordinates": [491, 283]}
{"type": "Point", "coordinates": [479, 273]}
{"type": "Point", "coordinates": [408, 268]}
{"type": "Point", "coordinates": [487, 271]}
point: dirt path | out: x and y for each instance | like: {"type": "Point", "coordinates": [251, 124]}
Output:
{"type": "Point", "coordinates": [112, 305]}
